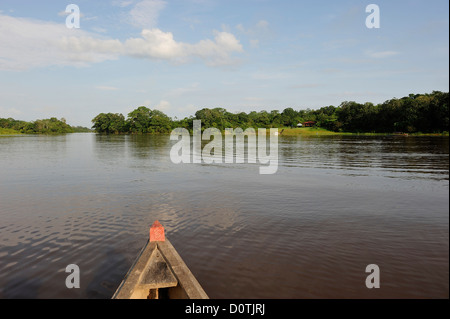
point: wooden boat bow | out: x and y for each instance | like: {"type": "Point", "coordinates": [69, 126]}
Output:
{"type": "Point", "coordinates": [159, 272]}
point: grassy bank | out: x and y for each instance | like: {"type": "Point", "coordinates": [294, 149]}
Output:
{"type": "Point", "coordinates": [317, 131]}
{"type": "Point", "coordinates": [8, 131]}
{"type": "Point", "coordinates": [307, 131]}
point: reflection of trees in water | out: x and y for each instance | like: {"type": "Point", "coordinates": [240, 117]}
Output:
{"type": "Point", "coordinates": [110, 148]}
{"type": "Point", "coordinates": [415, 154]}
{"type": "Point", "coordinates": [149, 146]}
{"type": "Point", "coordinates": [358, 152]}
{"type": "Point", "coordinates": [397, 154]}
{"type": "Point", "coordinates": [309, 151]}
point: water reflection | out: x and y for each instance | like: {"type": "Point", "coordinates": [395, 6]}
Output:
{"type": "Point", "coordinates": [136, 151]}
{"type": "Point", "coordinates": [366, 155]}
{"type": "Point", "coordinates": [335, 205]}
{"type": "Point", "coordinates": [149, 146]}
{"type": "Point", "coordinates": [110, 148]}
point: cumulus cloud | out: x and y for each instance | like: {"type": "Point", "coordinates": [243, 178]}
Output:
{"type": "Point", "coordinates": [30, 43]}
{"type": "Point", "coordinates": [156, 44]}
{"type": "Point", "coordinates": [87, 49]}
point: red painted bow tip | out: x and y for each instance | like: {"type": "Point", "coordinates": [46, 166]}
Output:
{"type": "Point", "coordinates": [157, 232]}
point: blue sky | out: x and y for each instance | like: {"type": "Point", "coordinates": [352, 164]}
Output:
{"type": "Point", "coordinates": [180, 56]}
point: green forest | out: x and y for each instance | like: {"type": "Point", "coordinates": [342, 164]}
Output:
{"type": "Point", "coordinates": [46, 126]}
{"type": "Point", "coordinates": [424, 113]}
{"type": "Point", "coordinates": [415, 113]}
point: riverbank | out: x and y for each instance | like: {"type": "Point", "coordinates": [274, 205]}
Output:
{"type": "Point", "coordinates": [317, 131]}
{"type": "Point", "coordinates": [303, 131]}
{"type": "Point", "coordinates": [307, 131]}
{"type": "Point", "coordinates": [8, 131]}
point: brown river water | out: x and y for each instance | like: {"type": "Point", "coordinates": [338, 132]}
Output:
{"type": "Point", "coordinates": [335, 205]}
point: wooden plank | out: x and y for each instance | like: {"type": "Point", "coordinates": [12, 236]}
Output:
{"type": "Point", "coordinates": [159, 266]}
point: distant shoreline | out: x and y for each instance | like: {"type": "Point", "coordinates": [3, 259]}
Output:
{"type": "Point", "coordinates": [316, 131]}
{"type": "Point", "coordinates": [287, 131]}
{"type": "Point", "coordinates": [8, 131]}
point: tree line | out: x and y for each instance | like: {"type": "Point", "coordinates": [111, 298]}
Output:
{"type": "Point", "coordinates": [425, 113]}
{"type": "Point", "coordinates": [45, 126]}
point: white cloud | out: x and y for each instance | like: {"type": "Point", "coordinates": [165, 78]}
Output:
{"type": "Point", "coordinates": [28, 43]}
{"type": "Point", "coordinates": [99, 30]}
{"type": "Point", "coordinates": [66, 13]}
{"type": "Point", "coordinates": [256, 33]}
{"type": "Point", "coordinates": [122, 4]}
{"type": "Point", "coordinates": [145, 14]}
{"type": "Point", "coordinates": [163, 106]}
{"type": "Point", "coordinates": [382, 54]}
{"type": "Point", "coordinates": [217, 52]}
{"type": "Point", "coordinates": [87, 49]}
{"type": "Point", "coordinates": [154, 43]}
{"type": "Point", "coordinates": [157, 44]}
{"type": "Point", "coordinates": [62, 13]}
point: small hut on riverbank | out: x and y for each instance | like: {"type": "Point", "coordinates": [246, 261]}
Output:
{"type": "Point", "coordinates": [309, 124]}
